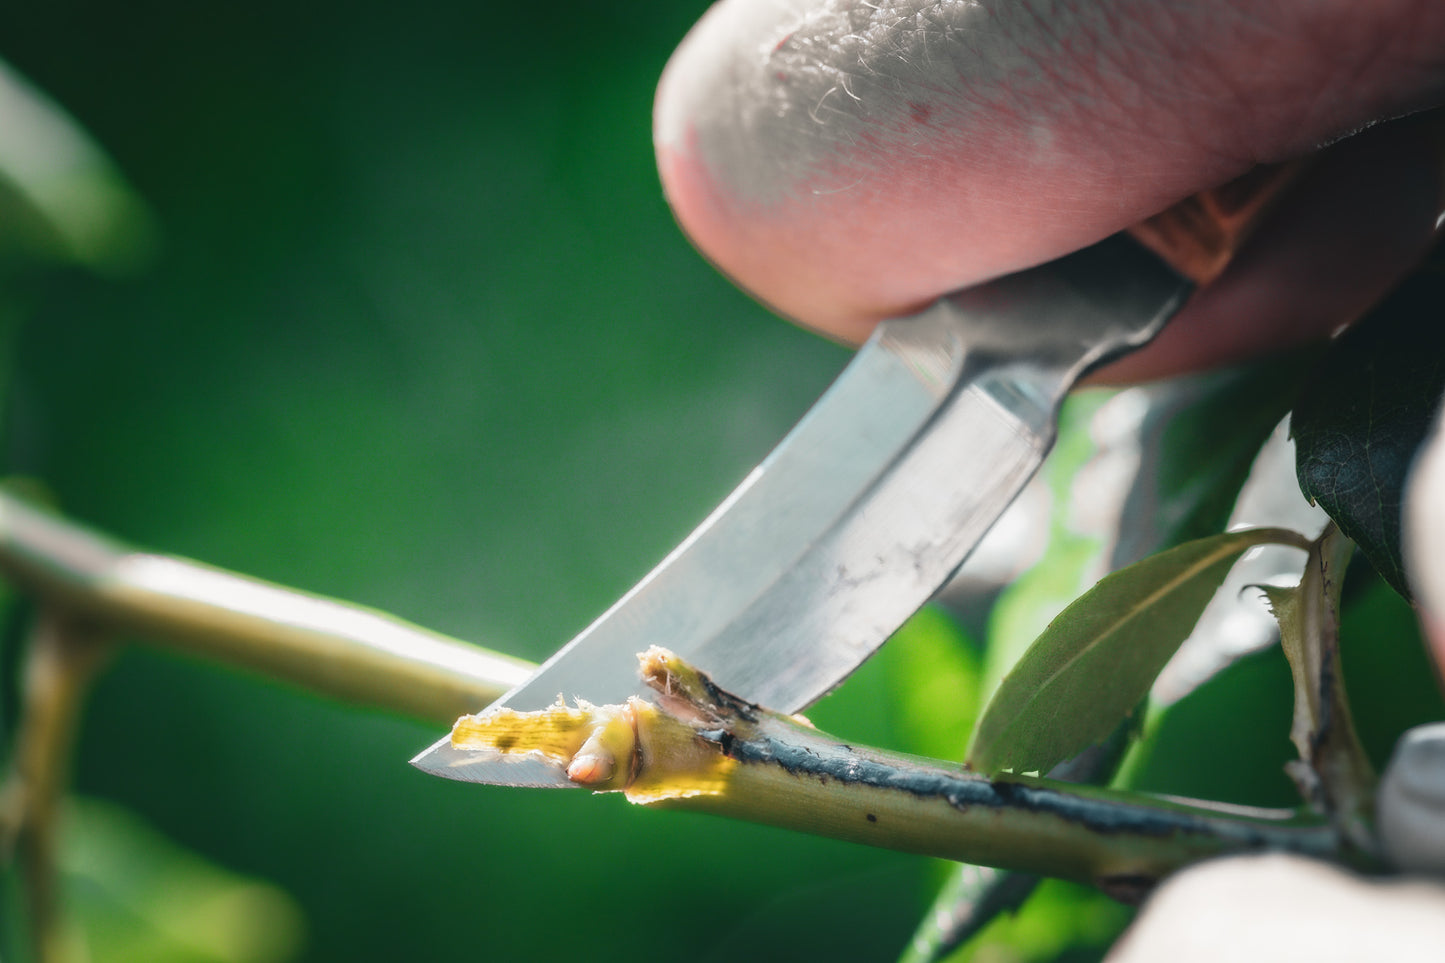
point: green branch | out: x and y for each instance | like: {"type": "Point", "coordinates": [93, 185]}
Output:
{"type": "Point", "coordinates": [703, 749]}
{"type": "Point", "coordinates": [333, 648]}
{"type": "Point", "coordinates": [698, 748]}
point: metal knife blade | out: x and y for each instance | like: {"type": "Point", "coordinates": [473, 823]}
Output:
{"type": "Point", "coordinates": [869, 504]}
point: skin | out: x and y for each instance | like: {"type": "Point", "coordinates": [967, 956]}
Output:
{"type": "Point", "coordinates": [847, 162]}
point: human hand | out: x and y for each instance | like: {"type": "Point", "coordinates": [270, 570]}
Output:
{"type": "Point", "coordinates": [848, 161]}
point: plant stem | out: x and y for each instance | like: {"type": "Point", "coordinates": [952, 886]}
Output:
{"type": "Point", "coordinates": [333, 648]}
{"type": "Point", "coordinates": [1333, 772]}
{"type": "Point", "coordinates": [701, 748]}
{"type": "Point", "coordinates": [61, 660]}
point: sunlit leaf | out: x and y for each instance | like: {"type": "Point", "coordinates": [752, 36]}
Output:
{"type": "Point", "coordinates": [1096, 661]}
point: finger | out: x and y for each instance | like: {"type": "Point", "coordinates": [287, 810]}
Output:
{"type": "Point", "coordinates": [1339, 240]}
{"type": "Point", "coordinates": [848, 162]}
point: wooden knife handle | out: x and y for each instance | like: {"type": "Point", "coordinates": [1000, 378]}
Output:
{"type": "Point", "coordinates": [1199, 235]}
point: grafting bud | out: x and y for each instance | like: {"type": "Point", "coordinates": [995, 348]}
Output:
{"type": "Point", "coordinates": [650, 752]}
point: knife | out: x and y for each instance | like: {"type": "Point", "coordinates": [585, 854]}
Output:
{"type": "Point", "coordinates": [877, 496]}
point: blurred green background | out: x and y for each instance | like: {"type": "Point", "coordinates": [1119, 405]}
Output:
{"type": "Point", "coordinates": [419, 332]}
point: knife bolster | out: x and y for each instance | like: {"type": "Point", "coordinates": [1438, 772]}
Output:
{"type": "Point", "coordinates": [1200, 235]}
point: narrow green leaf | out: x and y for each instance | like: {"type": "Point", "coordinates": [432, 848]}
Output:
{"type": "Point", "coordinates": [1096, 661]}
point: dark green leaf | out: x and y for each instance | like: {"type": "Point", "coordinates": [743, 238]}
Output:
{"type": "Point", "coordinates": [1365, 413]}
{"type": "Point", "coordinates": [1096, 661]}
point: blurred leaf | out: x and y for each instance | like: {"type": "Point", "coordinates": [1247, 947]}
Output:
{"type": "Point", "coordinates": [137, 897]}
{"type": "Point", "coordinates": [918, 694]}
{"type": "Point", "coordinates": [968, 902]}
{"type": "Point", "coordinates": [1201, 445]}
{"type": "Point", "coordinates": [1393, 683]}
{"type": "Point", "coordinates": [935, 671]}
{"type": "Point", "coordinates": [61, 198]}
{"type": "Point", "coordinates": [1367, 410]}
{"type": "Point", "coordinates": [1061, 921]}
{"type": "Point", "coordinates": [1094, 663]}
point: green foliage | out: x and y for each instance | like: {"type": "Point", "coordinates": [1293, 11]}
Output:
{"type": "Point", "coordinates": [137, 897]}
{"type": "Point", "coordinates": [1228, 740]}
{"type": "Point", "coordinates": [1198, 441]}
{"type": "Point", "coordinates": [1367, 410]}
{"type": "Point", "coordinates": [932, 659]}
{"type": "Point", "coordinates": [1393, 684]}
{"type": "Point", "coordinates": [1096, 661]}
{"type": "Point", "coordinates": [1060, 921]}
{"type": "Point", "coordinates": [61, 198]}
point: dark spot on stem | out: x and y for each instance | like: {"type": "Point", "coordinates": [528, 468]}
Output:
{"type": "Point", "coordinates": [506, 741]}
{"type": "Point", "coordinates": [872, 818]}
{"type": "Point", "coordinates": [1128, 888]}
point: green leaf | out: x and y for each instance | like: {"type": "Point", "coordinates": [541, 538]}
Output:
{"type": "Point", "coordinates": [1368, 408]}
{"type": "Point", "coordinates": [1061, 921]}
{"type": "Point", "coordinates": [61, 198]}
{"type": "Point", "coordinates": [1096, 661]}
{"type": "Point", "coordinates": [135, 895]}
{"type": "Point", "coordinates": [1199, 440]}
